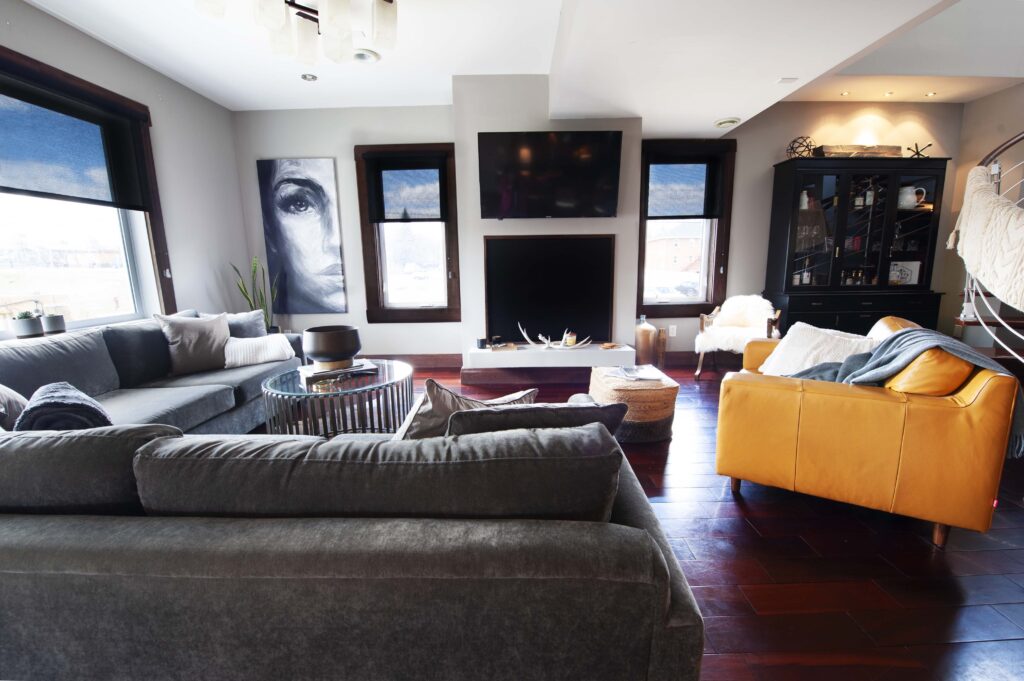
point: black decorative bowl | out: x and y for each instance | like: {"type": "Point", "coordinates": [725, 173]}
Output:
{"type": "Point", "coordinates": [331, 347]}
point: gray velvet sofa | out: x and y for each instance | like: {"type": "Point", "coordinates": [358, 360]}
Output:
{"type": "Point", "coordinates": [447, 559]}
{"type": "Point", "coordinates": [126, 367]}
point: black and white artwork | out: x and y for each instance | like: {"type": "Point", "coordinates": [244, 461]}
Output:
{"type": "Point", "coordinates": [303, 236]}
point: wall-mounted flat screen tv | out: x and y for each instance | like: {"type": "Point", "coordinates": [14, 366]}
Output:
{"type": "Point", "coordinates": [549, 174]}
{"type": "Point", "coordinates": [550, 284]}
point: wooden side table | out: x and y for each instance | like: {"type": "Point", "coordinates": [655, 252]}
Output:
{"type": "Point", "coordinates": [651, 404]}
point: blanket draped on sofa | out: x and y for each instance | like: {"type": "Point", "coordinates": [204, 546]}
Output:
{"type": "Point", "coordinates": [61, 406]}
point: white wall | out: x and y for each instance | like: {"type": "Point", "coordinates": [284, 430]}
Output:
{"type": "Point", "coordinates": [520, 103]}
{"type": "Point", "coordinates": [333, 133]}
{"type": "Point", "coordinates": [193, 148]}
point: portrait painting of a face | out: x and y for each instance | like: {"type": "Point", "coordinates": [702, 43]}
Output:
{"type": "Point", "coordinates": [303, 237]}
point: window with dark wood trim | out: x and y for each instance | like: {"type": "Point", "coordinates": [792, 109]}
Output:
{"type": "Point", "coordinates": [123, 125]}
{"type": "Point", "coordinates": [685, 209]}
{"type": "Point", "coordinates": [409, 224]}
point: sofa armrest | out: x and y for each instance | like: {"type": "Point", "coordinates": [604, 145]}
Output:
{"type": "Point", "coordinates": [756, 352]}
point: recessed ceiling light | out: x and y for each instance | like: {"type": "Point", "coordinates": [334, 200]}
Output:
{"type": "Point", "coordinates": [787, 79]}
{"type": "Point", "coordinates": [727, 122]}
{"type": "Point", "coordinates": [844, 93]}
{"type": "Point", "coordinates": [930, 94]}
{"type": "Point", "coordinates": [366, 56]}
{"type": "Point", "coordinates": [890, 93]}
{"type": "Point", "coordinates": [308, 77]}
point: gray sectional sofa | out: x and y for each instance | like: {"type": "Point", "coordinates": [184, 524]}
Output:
{"type": "Point", "coordinates": [126, 367]}
{"type": "Point", "coordinates": [138, 553]}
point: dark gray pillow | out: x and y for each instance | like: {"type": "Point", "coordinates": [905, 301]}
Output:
{"type": "Point", "coordinates": [12, 403]}
{"type": "Point", "coordinates": [80, 358]}
{"type": "Point", "coordinates": [243, 324]}
{"type": "Point", "coordinates": [139, 351]}
{"type": "Point", "coordinates": [81, 471]}
{"type": "Point", "coordinates": [569, 473]}
{"type": "Point", "coordinates": [510, 417]}
{"type": "Point", "coordinates": [195, 344]}
{"type": "Point", "coordinates": [438, 403]}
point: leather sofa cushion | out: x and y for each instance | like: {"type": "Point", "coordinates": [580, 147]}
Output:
{"type": "Point", "coordinates": [73, 471]}
{"type": "Point", "coordinates": [246, 381]}
{"type": "Point", "coordinates": [80, 358]}
{"type": "Point", "coordinates": [184, 407]}
{"type": "Point", "coordinates": [569, 474]}
{"type": "Point", "coordinates": [935, 372]}
{"type": "Point", "coordinates": [510, 417]}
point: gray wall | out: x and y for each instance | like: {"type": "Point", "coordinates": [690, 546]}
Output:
{"type": "Point", "coordinates": [333, 133]}
{"type": "Point", "coordinates": [193, 148]}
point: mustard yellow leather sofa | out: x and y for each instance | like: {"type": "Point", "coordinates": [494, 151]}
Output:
{"type": "Point", "coordinates": [930, 444]}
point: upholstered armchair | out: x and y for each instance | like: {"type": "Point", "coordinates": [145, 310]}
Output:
{"type": "Point", "coordinates": [930, 444]}
{"type": "Point", "coordinates": [739, 320]}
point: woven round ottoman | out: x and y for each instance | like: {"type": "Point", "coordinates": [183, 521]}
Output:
{"type": "Point", "coordinates": [652, 404]}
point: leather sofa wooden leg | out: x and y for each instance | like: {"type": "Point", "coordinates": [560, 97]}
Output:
{"type": "Point", "coordinates": [735, 484]}
{"type": "Point", "coordinates": [940, 533]}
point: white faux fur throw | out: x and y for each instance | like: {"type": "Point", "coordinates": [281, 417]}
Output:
{"type": "Point", "coordinates": [989, 236]}
{"type": "Point", "coordinates": [241, 352]}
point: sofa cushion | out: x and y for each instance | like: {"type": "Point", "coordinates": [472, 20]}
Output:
{"type": "Point", "coordinates": [934, 372]}
{"type": "Point", "coordinates": [246, 381]}
{"type": "Point", "coordinates": [81, 471]}
{"type": "Point", "coordinates": [195, 344]}
{"type": "Point", "coordinates": [183, 407]}
{"type": "Point", "coordinates": [510, 417]}
{"type": "Point", "coordinates": [569, 473]}
{"type": "Point", "coordinates": [80, 358]}
{"type": "Point", "coordinates": [12, 404]}
{"type": "Point", "coordinates": [139, 351]}
{"type": "Point", "coordinates": [430, 417]}
{"type": "Point", "coordinates": [805, 346]}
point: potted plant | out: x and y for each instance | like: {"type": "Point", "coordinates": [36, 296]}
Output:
{"type": "Point", "coordinates": [26, 324]}
{"type": "Point", "coordinates": [255, 293]}
{"type": "Point", "coordinates": [53, 323]}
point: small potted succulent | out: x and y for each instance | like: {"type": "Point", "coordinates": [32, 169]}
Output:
{"type": "Point", "coordinates": [27, 324]}
{"type": "Point", "coordinates": [53, 323]}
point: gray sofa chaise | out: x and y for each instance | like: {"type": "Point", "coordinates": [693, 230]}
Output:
{"type": "Point", "coordinates": [126, 367]}
{"type": "Point", "coordinates": [521, 555]}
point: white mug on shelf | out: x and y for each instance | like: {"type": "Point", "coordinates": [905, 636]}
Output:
{"type": "Point", "coordinates": [911, 197]}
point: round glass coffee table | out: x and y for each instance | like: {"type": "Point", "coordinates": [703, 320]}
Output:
{"type": "Point", "coordinates": [368, 403]}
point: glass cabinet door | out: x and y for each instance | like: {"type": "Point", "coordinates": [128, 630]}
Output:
{"type": "Point", "coordinates": [912, 230]}
{"type": "Point", "coordinates": [812, 237]}
{"type": "Point", "coordinates": [864, 231]}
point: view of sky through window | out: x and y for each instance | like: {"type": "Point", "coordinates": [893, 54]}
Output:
{"type": "Point", "coordinates": [676, 189]}
{"type": "Point", "coordinates": [45, 151]}
{"type": "Point", "coordinates": [412, 194]}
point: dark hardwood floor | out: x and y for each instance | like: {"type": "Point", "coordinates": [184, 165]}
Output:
{"type": "Point", "coordinates": [795, 587]}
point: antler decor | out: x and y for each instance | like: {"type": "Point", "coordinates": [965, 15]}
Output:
{"type": "Point", "coordinates": [546, 343]}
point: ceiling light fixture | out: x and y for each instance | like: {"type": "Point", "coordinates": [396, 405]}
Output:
{"type": "Point", "coordinates": [844, 93]}
{"type": "Point", "coordinates": [308, 77]}
{"type": "Point", "coordinates": [727, 122]}
{"type": "Point", "coordinates": [339, 30]}
{"type": "Point", "coordinates": [786, 80]}
{"type": "Point", "coordinates": [890, 93]}
{"type": "Point", "coordinates": [930, 94]}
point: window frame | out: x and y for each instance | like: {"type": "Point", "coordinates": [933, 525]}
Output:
{"type": "Point", "coordinates": [24, 74]}
{"type": "Point", "coordinates": [720, 156]}
{"type": "Point", "coordinates": [367, 158]}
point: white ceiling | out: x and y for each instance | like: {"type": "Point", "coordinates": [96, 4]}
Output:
{"type": "Point", "coordinates": [678, 64]}
{"type": "Point", "coordinates": [230, 61]}
{"type": "Point", "coordinates": [682, 64]}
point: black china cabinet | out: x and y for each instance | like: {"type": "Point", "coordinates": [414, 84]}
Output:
{"type": "Point", "coordinates": [853, 240]}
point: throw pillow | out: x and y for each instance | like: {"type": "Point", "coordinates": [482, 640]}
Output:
{"type": "Point", "coordinates": [439, 403]}
{"type": "Point", "coordinates": [513, 416]}
{"type": "Point", "coordinates": [243, 352]}
{"type": "Point", "coordinates": [805, 346]}
{"type": "Point", "coordinates": [243, 324]}
{"type": "Point", "coordinates": [195, 344]}
{"type": "Point", "coordinates": [12, 403]}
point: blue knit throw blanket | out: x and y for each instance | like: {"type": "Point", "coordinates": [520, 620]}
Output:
{"type": "Point", "coordinates": [61, 406]}
{"type": "Point", "coordinates": [896, 352]}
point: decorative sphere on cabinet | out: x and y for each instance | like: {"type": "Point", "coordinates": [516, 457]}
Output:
{"type": "Point", "coordinates": [800, 147]}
